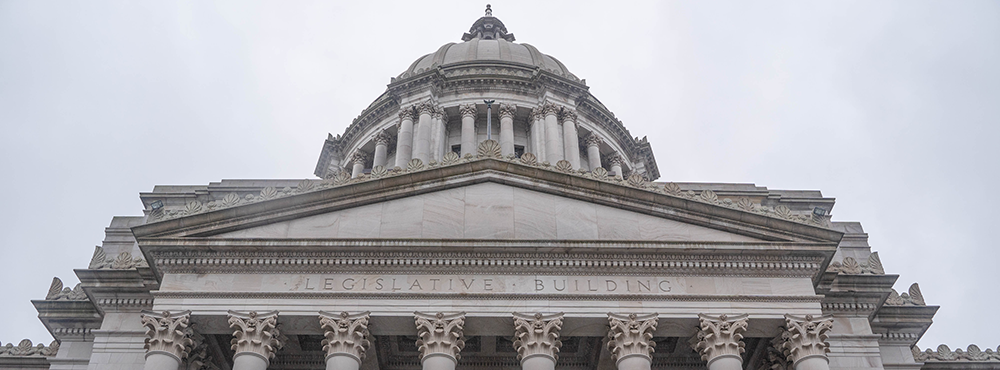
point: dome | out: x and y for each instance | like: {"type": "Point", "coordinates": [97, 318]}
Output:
{"type": "Point", "coordinates": [488, 42]}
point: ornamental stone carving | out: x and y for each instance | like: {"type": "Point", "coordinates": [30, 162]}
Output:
{"type": "Point", "coordinates": [537, 335]}
{"type": "Point", "coordinates": [720, 336]}
{"type": "Point", "coordinates": [383, 138]}
{"type": "Point", "coordinates": [407, 113]}
{"type": "Point", "coordinates": [945, 354]}
{"type": "Point", "coordinates": [345, 334]}
{"type": "Point", "coordinates": [550, 109]}
{"type": "Point", "coordinates": [805, 337]}
{"type": "Point", "coordinates": [25, 348]}
{"type": "Point", "coordinates": [631, 335]}
{"type": "Point", "coordinates": [58, 293]}
{"type": "Point", "coordinates": [426, 108]}
{"type": "Point", "coordinates": [467, 110]}
{"type": "Point", "coordinates": [537, 113]}
{"type": "Point", "coordinates": [593, 140]}
{"type": "Point", "coordinates": [167, 333]}
{"type": "Point", "coordinates": [255, 334]}
{"type": "Point", "coordinates": [913, 298]}
{"type": "Point", "coordinates": [615, 159]}
{"type": "Point", "coordinates": [359, 157]}
{"type": "Point", "coordinates": [567, 115]}
{"type": "Point", "coordinates": [440, 334]}
{"type": "Point", "coordinates": [507, 110]}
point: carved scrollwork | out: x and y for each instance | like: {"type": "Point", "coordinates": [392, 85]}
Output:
{"type": "Point", "coordinates": [537, 335]}
{"type": "Point", "coordinates": [58, 293]}
{"type": "Point", "coordinates": [631, 335]}
{"type": "Point", "coordinates": [167, 333]}
{"type": "Point", "coordinates": [256, 333]}
{"type": "Point", "coordinates": [806, 337]}
{"type": "Point", "coordinates": [25, 349]}
{"type": "Point", "coordinates": [345, 334]}
{"type": "Point", "coordinates": [440, 334]}
{"type": "Point", "coordinates": [720, 336]}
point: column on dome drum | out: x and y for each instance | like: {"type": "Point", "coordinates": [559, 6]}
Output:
{"type": "Point", "coordinates": [345, 339]}
{"type": "Point", "coordinates": [440, 339]}
{"type": "Point", "coordinates": [381, 149]}
{"type": "Point", "coordinates": [538, 133]}
{"type": "Point", "coordinates": [404, 137]}
{"type": "Point", "coordinates": [630, 340]}
{"type": "Point", "coordinates": [422, 143]}
{"type": "Point", "coordinates": [571, 142]}
{"type": "Point", "coordinates": [593, 143]}
{"type": "Point", "coordinates": [506, 113]}
{"type": "Point", "coordinates": [553, 141]}
{"type": "Point", "coordinates": [468, 112]}
{"type": "Point", "coordinates": [168, 339]}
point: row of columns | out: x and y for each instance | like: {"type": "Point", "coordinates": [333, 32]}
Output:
{"type": "Point", "coordinates": [719, 340]}
{"type": "Point", "coordinates": [421, 134]}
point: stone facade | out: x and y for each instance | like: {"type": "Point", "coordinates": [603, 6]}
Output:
{"type": "Point", "coordinates": [429, 243]}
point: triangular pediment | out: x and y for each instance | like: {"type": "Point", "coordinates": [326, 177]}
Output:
{"type": "Point", "coordinates": [488, 211]}
{"type": "Point", "coordinates": [487, 199]}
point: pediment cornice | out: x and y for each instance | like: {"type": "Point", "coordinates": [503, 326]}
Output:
{"type": "Point", "coordinates": [633, 194]}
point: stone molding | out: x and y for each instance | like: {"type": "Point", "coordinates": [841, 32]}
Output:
{"type": "Point", "coordinates": [851, 266]}
{"type": "Point", "coordinates": [468, 110]}
{"type": "Point", "coordinates": [345, 334]}
{"type": "Point", "coordinates": [168, 333]}
{"type": "Point", "coordinates": [440, 334]}
{"type": "Point", "coordinates": [58, 293]}
{"type": "Point", "coordinates": [972, 353]}
{"type": "Point", "coordinates": [593, 140]}
{"type": "Point", "coordinates": [631, 335]}
{"type": "Point", "coordinates": [26, 349]}
{"type": "Point", "coordinates": [805, 337]}
{"type": "Point", "coordinates": [485, 152]}
{"type": "Point", "coordinates": [720, 336]}
{"type": "Point", "coordinates": [506, 110]}
{"type": "Point", "coordinates": [255, 334]}
{"type": "Point", "coordinates": [537, 335]}
{"type": "Point", "coordinates": [913, 298]}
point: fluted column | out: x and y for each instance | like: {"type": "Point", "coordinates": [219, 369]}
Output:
{"type": "Point", "coordinates": [593, 151]}
{"type": "Point", "coordinates": [630, 340]}
{"type": "Point", "coordinates": [571, 141]}
{"type": "Point", "coordinates": [381, 149]}
{"type": "Point", "coordinates": [507, 128]}
{"type": "Point", "coordinates": [536, 339]}
{"type": "Point", "coordinates": [720, 341]}
{"type": "Point", "coordinates": [345, 339]}
{"type": "Point", "coordinates": [468, 112]}
{"type": "Point", "coordinates": [615, 160]}
{"type": "Point", "coordinates": [168, 339]}
{"type": "Point", "coordinates": [538, 133]}
{"type": "Point", "coordinates": [440, 339]}
{"type": "Point", "coordinates": [358, 159]}
{"type": "Point", "coordinates": [438, 121]}
{"type": "Point", "coordinates": [553, 141]}
{"type": "Point", "coordinates": [422, 143]}
{"type": "Point", "coordinates": [404, 137]}
{"type": "Point", "coordinates": [804, 341]}
{"type": "Point", "coordinates": [255, 340]}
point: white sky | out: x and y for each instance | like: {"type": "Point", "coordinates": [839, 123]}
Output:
{"type": "Point", "coordinates": [892, 107]}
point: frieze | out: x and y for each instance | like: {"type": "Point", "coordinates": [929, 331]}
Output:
{"type": "Point", "coordinates": [490, 149]}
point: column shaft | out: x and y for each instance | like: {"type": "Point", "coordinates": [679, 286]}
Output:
{"type": "Point", "coordinates": [813, 363]}
{"type": "Point", "coordinates": [506, 113]}
{"type": "Point", "coordinates": [249, 361]}
{"type": "Point", "coordinates": [357, 169]}
{"type": "Point", "coordinates": [538, 363]}
{"type": "Point", "coordinates": [571, 142]}
{"type": "Point", "coordinates": [635, 362]}
{"type": "Point", "coordinates": [468, 112]}
{"type": "Point", "coordinates": [553, 141]}
{"type": "Point", "coordinates": [438, 136]}
{"type": "Point", "coordinates": [161, 361]}
{"type": "Point", "coordinates": [404, 138]}
{"type": "Point", "coordinates": [422, 144]}
{"type": "Point", "coordinates": [593, 156]}
{"type": "Point", "coordinates": [381, 150]}
{"type": "Point", "coordinates": [342, 362]}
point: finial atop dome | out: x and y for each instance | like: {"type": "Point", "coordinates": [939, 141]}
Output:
{"type": "Point", "coordinates": [488, 28]}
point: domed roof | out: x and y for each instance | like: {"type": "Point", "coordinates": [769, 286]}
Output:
{"type": "Point", "coordinates": [488, 41]}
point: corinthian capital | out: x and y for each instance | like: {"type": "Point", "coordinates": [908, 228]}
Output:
{"type": "Point", "coordinates": [426, 108]}
{"type": "Point", "coordinates": [631, 335]}
{"type": "Point", "coordinates": [440, 334]}
{"type": "Point", "coordinates": [537, 113]}
{"type": "Point", "coordinates": [168, 333]}
{"type": "Point", "coordinates": [467, 110]}
{"type": "Point", "coordinates": [720, 336]}
{"type": "Point", "coordinates": [255, 334]}
{"type": "Point", "coordinates": [345, 334]}
{"type": "Point", "coordinates": [359, 157]}
{"type": "Point", "coordinates": [382, 138]}
{"type": "Point", "coordinates": [567, 115]}
{"type": "Point", "coordinates": [616, 159]}
{"type": "Point", "coordinates": [507, 110]}
{"type": "Point", "coordinates": [407, 113]}
{"type": "Point", "coordinates": [537, 335]}
{"type": "Point", "coordinates": [593, 140]}
{"type": "Point", "coordinates": [805, 337]}
{"type": "Point", "coordinates": [550, 109]}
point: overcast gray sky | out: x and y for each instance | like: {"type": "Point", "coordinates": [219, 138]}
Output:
{"type": "Point", "coordinates": [892, 107]}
